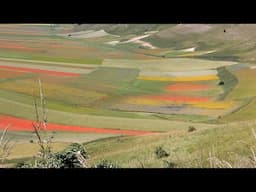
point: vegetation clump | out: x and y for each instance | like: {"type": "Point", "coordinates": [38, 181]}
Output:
{"type": "Point", "coordinates": [160, 152]}
{"type": "Point", "coordinates": [221, 83]}
{"type": "Point", "coordinates": [191, 129]}
{"type": "Point", "coordinates": [74, 156]}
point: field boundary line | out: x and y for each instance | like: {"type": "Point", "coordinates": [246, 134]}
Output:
{"type": "Point", "coordinates": [48, 62]}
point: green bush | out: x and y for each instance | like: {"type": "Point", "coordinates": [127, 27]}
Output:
{"type": "Point", "coordinates": [69, 158]}
{"type": "Point", "coordinates": [73, 156]}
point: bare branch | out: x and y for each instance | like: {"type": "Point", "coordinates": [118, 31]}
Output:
{"type": "Point", "coordinates": [81, 160]}
{"type": "Point", "coordinates": [42, 99]}
{"type": "Point", "coordinates": [5, 146]}
{"type": "Point", "coordinates": [36, 111]}
{"type": "Point", "coordinates": [4, 133]}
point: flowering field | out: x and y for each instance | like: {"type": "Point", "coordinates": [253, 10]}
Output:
{"type": "Point", "coordinates": [18, 124]}
{"type": "Point", "coordinates": [186, 87]}
{"type": "Point", "coordinates": [179, 79]}
{"type": "Point", "coordinates": [214, 104]}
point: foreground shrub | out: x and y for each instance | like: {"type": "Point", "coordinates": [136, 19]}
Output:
{"type": "Point", "coordinates": [106, 164]}
{"type": "Point", "coordinates": [74, 156]}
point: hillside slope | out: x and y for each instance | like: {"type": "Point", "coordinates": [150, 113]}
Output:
{"type": "Point", "coordinates": [226, 145]}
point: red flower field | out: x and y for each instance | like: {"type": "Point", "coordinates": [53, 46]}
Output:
{"type": "Point", "coordinates": [40, 71]}
{"type": "Point", "coordinates": [18, 124]}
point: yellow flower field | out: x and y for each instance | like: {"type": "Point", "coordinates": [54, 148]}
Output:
{"type": "Point", "coordinates": [195, 78]}
{"type": "Point", "coordinates": [214, 104]}
{"type": "Point", "coordinates": [179, 100]}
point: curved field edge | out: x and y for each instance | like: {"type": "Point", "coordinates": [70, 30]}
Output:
{"type": "Point", "coordinates": [229, 79]}
{"type": "Point", "coordinates": [244, 93]}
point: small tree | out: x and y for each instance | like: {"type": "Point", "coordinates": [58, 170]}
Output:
{"type": "Point", "coordinates": [74, 156]}
{"type": "Point", "coordinates": [40, 126]}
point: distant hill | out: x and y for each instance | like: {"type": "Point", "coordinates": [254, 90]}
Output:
{"type": "Point", "coordinates": [121, 29]}
{"type": "Point", "coordinates": [231, 41]}
{"type": "Point", "coordinates": [235, 42]}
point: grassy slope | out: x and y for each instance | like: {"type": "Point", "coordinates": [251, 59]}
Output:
{"type": "Point", "coordinates": [227, 142]}
{"type": "Point", "coordinates": [229, 79]}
